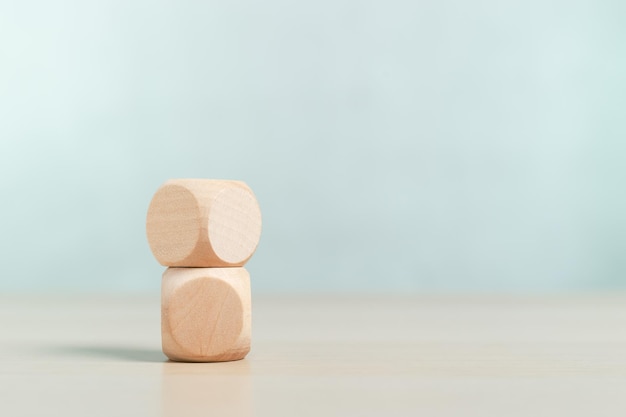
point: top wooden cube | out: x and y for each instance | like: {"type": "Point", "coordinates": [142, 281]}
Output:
{"type": "Point", "coordinates": [203, 223]}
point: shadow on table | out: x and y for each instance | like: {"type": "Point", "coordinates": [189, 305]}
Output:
{"type": "Point", "coordinates": [112, 352]}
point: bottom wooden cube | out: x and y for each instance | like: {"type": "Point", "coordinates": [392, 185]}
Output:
{"type": "Point", "coordinates": [205, 314]}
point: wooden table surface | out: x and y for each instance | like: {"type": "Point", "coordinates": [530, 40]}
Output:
{"type": "Point", "coordinates": [320, 356]}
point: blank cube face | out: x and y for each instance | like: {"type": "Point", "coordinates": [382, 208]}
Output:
{"type": "Point", "coordinates": [203, 223]}
{"type": "Point", "coordinates": [205, 314]}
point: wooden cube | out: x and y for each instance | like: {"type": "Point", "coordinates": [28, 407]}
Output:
{"type": "Point", "coordinates": [205, 314]}
{"type": "Point", "coordinates": [203, 223]}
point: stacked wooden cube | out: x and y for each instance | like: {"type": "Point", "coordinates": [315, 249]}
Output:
{"type": "Point", "coordinates": [204, 231]}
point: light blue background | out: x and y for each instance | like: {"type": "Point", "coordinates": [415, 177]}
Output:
{"type": "Point", "coordinates": [393, 145]}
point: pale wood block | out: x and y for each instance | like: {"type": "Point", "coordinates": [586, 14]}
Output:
{"type": "Point", "coordinates": [205, 314]}
{"type": "Point", "coordinates": [203, 223]}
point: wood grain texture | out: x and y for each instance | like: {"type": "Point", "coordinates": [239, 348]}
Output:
{"type": "Point", "coordinates": [205, 314]}
{"type": "Point", "coordinates": [203, 223]}
{"type": "Point", "coordinates": [444, 356]}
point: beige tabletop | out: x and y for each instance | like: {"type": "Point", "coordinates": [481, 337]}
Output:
{"type": "Point", "coordinates": [320, 356]}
